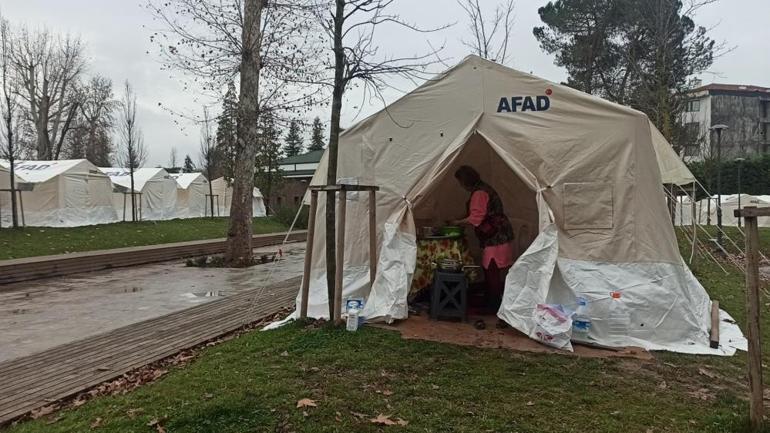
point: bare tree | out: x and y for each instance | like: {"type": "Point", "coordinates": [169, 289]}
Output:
{"type": "Point", "coordinates": [262, 45]}
{"type": "Point", "coordinates": [9, 110]}
{"type": "Point", "coordinates": [351, 26]}
{"type": "Point", "coordinates": [133, 153]}
{"type": "Point", "coordinates": [490, 36]}
{"type": "Point", "coordinates": [97, 114]}
{"type": "Point", "coordinates": [172, 158]}
{"type": "Point", "coordinates": [49, 67]}
{"type": "Point", "coordinates": [209, 155]}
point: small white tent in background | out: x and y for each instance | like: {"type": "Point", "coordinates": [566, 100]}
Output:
{"type": "Point", "coordinates": [223, 198]}
{"type": "Point", "coordinates": [65, 193]}
{"type": "Point", "coordinates": [192, 191]}
{"type": "Point", "coordinates": [156, 189]}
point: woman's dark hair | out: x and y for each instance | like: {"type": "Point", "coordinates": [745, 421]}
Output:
{"type": "Point", "coordinates": [467, 176]}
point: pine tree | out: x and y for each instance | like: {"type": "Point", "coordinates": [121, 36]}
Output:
{"type": "Point", "coordinates": [189, 167]}
{"type": "Point", "coordinates": [294, 140]}
{"type": "Point", "coordinates": [267, 174]}
{"type": "Point", "coordinates": [317, 140]}
{"type": "Point", "coordinates": [226, 132]}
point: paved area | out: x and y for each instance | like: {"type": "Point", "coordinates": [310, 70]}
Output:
{"type": "Point", "coordinates": [38, 315]}
{"type": "Point", "coordinates": [38, 380]}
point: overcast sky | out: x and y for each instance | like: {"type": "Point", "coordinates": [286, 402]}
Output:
{"type": "Point", "coordinates": [117, 37]}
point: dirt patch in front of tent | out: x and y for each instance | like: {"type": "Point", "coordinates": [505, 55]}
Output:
{"type": "Point", "coordinates": [420, 327]}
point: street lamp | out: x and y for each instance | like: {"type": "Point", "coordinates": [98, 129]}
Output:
{"type": "Point", "coordinates": [740, 168]}
{"type": "Point", "coordinates": [719, 128]}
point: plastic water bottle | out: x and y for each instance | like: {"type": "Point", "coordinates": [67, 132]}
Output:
{"type": "Point", "coordinates": [619, 319]}
{"type": "Point", "coordinates": [352, 322]}
{"type": "Point", "coordinates": [581, 321]}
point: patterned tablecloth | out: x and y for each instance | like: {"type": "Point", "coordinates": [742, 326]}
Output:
{"type": "Point", "coordinates": [430, 251]}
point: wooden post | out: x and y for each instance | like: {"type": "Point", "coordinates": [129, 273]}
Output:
{"type": "Point", "coordinates": [714, 334]}
{"type": "Point", "coordinates": [756, 409]}
{"type": "Point", "coordinates": [372, 237]}
{"type": "Point", "coordinates": [341, 209]}
{"type": "Point", "coordinates": [308, 254]}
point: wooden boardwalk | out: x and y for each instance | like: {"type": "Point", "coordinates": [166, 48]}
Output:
{"type": "Point", "coordinates": [37, 380]}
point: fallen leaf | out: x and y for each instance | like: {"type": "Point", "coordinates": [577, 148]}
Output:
{"type": "Point", "coordinates": [435, 386]}
{"type": "Point", "coordinates": [662, 385]}
{"type": "Point", "coordinates": [382, 420]}
{"type": "Point", "coordinates": [359, 415]}
{"type": "Point", "coordinates": [96, 423]}
{"type": "Point", "coordinates": [706, 373]}
{"type": "Point", "coordinates": [132, 413]}
{"type": "Point", "coordinates": [284, 353]}
{"type": "Point", "coordinates": [55, 420]}
{"type": "Point", "coordinates": [306, 402]}
{"type": "Point", "coordinates": [402, 422]}
{"type": "Point", "coordinates": [207, 395]}
{"type": "Point", "coordinates": [305, 414]}
{"type": "Point", "coordinates": [530, 403]}
{"type": "Point", "coordinates": [43, 411]}
{"type": "Point", "coordinates": [156, 424]}
{"type": "Point", "coordinates": [387, 393]}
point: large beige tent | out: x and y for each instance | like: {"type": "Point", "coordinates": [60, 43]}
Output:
{"type": "Point", "coordinates": [192, 190]}
{"type": "Point", "coordinates": [223, 196]}
{"type": "Point", "coordinates": [580, 180]}
{"type": "Point", "coordinates": [64, 193]}
{"type": "Point", "coordinates": [155, 187]}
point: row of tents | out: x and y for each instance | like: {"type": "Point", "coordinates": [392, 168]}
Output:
{"type": "Point", "coordinates": [705, 210]}
{"type": "Point", "coordinates": [69, 193]}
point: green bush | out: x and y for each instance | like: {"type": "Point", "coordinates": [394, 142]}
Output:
{"type": "Point", "coordinates": [754, 175]}
{"type": "Point", "coordinates": [285, 215]}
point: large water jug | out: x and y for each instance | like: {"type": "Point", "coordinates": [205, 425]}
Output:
{"type": "Point", "coordinates": [581, 321]}
{"type": "Point", "coordinates": [619, 320]}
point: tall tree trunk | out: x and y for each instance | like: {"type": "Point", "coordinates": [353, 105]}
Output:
{"type": "Point", "coordinates": [211, 189]}
{"type": "Point", "coordinates": [239, 250]}
{"type": "Point", "coordinates": [334, 138]}
{"type": "Point", "coordinates": [133, 194]}
{"type": "Point", "coordinates": [43, 141]}
{"type": "Point", "coordinates": [11, 161]}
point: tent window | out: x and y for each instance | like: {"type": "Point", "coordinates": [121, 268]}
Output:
{"type": "Point", "coordinates": [588, 205]}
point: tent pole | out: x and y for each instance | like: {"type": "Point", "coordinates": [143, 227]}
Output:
{"type": "Point", "coordinates": [21, 205]}
{"type": "Point", "coordinates": [372, 237]}
{"type": "Point", "coordinates": [342, 205]}
{"type": "Point", "coordinates": [308, 254]}
{"type": "Point", "coordinates": [694, 223]}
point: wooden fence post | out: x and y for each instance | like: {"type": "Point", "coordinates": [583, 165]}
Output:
{"type": "Point", "coordinates": [308, 254]}
{"type": "Point", "coordinates": [372, 237]}
{"type": "Point", "coordinates": [338, 278]}
{"type": "Point", "coordinates": [756, 408]}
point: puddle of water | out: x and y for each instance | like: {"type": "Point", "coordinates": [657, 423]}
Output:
{"type": "Point", "coordinates": [209, 294]}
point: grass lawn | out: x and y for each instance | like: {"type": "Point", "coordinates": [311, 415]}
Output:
{"type": "Point", "coordinates": [40, 241]}
{"type": "Point", "coordinates": [253, 384]}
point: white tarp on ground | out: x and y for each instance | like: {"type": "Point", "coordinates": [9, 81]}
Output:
{"type": "Point", "coordinates": [553, 153]}
{"type": "Point", "coordinates": [192, 191]}
{"type": "Point", "coordinates": [65, 193]}
{"type": "Point", "coordinates": [157, 188]}
{"type": "Point", "coordinates": [223, 192]}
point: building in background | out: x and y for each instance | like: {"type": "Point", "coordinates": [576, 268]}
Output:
{"type": "Point", "coordinates": [744, 109]}
{"type": "Point", "coordinates": [296, 171]}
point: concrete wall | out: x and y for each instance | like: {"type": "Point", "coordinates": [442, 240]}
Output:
{"type": "Point", "coordinates": [743, 115]}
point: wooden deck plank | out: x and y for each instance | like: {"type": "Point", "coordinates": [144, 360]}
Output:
{"type": "Point", "coordinates": [37, 380]}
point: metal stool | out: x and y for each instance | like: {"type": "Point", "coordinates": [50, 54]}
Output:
{"type": "Point", "coordinates": [450, 295]}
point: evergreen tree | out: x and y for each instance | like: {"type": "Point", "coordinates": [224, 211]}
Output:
{"type": "Point", "coordinates": [267, 174]}
{"type": "Point", "coordinates": [189, 167]}
{"type": "Point", "coordinates": [317, 140]}
{"type": "Point", "coordinates": [639, 53]}
{"type": "Point", "coordinates": [294, 141]}
{"type": "Point", "coordinates": [226, 132]}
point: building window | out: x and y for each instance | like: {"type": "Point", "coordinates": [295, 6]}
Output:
{"type": "Point", "coordinates": [693, 105]}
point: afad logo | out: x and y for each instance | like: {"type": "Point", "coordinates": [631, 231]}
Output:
{"type": "Point", "coordinates": [516, 104]}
